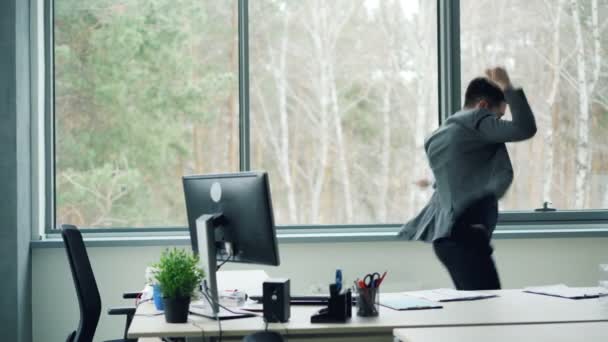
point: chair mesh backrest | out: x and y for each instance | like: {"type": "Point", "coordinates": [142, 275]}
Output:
{"type": "Point", "coordinates": [89, 300]}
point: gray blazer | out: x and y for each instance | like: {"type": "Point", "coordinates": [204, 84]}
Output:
{"type": "Point", "coordinates": [469, 160]}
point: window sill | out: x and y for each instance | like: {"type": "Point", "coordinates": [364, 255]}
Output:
{"type": "Point", "coordinates": [328, 235]}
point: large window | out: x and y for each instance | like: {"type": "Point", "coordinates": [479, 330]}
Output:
{"type": "Point", "coordinates": [343, 94]}
{"type": "Point", "coordinates": [336, 98]}
{"type": "Point", "coordinates": [555, 50]}
{"type": "Point", "coordinates": [145, 92]}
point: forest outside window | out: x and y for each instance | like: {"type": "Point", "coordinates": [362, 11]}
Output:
{"type": "Point", "coordinates": [342, 95]}
{"type": "Point", "coordinates": [145, 92]}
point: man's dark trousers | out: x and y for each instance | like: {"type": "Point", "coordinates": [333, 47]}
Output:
{"type": "Point", "coordinates": [467, 253]}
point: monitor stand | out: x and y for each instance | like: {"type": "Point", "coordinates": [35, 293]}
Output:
{"type": "Point", "coordinates": [205, 237]}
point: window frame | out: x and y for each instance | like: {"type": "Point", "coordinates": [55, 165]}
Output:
{"type": "Point", "coordinates": [49, 116]}
{"type": "Point", "coordinates": [511, 223]}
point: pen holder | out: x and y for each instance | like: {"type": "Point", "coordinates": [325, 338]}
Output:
{"type": "Point", "coordinates": [339, 307]}
{"type": "Point", "coordinates": [368, 301]}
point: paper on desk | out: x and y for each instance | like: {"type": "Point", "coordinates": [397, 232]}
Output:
{"type": "Point", "coordinates": [448, 295]}
{"type": "Point", "coordinates": [202, 308]}
{"type": "Point", "coordinates": [252, 306]}
{"type": "Point", "coordinates": [561, 290]}
{"type": "Point", "coordinates": [399, 301]}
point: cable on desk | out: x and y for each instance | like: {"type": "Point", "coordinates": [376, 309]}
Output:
{"type": "Point", "coordinates": [137, 303]}
{"type": "Point", "coordinates": [211, 302]}
{"type": "Point", "coordinates": [205, 293]}
{"type": "Point", "coordinates": [149, 315]}
{"type": "Point", "coordinates": [225, 261]}
{"type": "Point", "coordinates": [208, 297]}
{"type": "Point", "coordinates": [203, 335]}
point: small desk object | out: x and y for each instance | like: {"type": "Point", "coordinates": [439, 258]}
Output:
{"type": "Point", "coordinates": [339, 307]}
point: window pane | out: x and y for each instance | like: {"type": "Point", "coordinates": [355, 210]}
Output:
{"type": "Point", "coordinates": [343, 94]}
{"type": "Point", "coordinates": [145, 92]}
{"type": "Point", "coordinates": [556, 51]}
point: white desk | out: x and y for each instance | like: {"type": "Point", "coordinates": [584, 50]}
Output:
{"type": "Point", "coordinates": [566, 332]}
{"type": "Point", "coordinates": [511, 307]}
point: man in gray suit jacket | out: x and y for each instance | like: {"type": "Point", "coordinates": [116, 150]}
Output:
{"type": "Point", "coordinates": [472, 170]}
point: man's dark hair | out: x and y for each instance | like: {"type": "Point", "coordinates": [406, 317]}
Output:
{"type": "Point", "coordinates": [482, 88]}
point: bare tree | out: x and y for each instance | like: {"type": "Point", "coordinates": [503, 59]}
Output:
{"type": "Point", "coordinates": [387, 24]}
{"type": "Point", "coordinates": [585, 92]}
{"type": "Point", "coordinates": [423, 93]}
{"type": "Point", "coordinates": [385, 156]}
{"type": "Point", "coordinates": [336, 22]}
{"type": "Point", "coordinates": [316, 28]}
{"type": "Point", "coordinates": [552, 103]}
{"type": "Point", "coordinates": [278, 134]}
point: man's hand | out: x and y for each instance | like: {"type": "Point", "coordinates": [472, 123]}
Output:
{"type": "Point", "coordinates": [423, 183]}
{"type": "Point", "coordinates": [500, 76]}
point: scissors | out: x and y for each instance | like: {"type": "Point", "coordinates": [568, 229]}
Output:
{"type": "Point", "coordinates": [371, 280]}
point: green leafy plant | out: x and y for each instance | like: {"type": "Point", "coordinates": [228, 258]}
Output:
{"type": "Point", "coordinates": [178, 273]}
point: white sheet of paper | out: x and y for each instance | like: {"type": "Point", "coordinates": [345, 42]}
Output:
{"type": "Point", "coordinates": [398, 301]}
{"type": "Point", "coordinates": [561, 290]}
{"type": "Point", "coordinates": [447, 295]}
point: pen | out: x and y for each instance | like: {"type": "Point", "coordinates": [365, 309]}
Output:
{"type": "Point", "coordinates": [381, 279]}
{"type": "Point", "coordinates": [339, 280]}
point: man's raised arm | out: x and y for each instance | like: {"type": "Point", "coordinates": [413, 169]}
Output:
{"type": "Point", "coordinates": [523, 125]}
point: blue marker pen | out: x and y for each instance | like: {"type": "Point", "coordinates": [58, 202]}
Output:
{"type": "Point", "coordinates": [339, 280]}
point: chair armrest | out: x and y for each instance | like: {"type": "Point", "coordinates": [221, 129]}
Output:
{"type": "Point", "coordinates": [127, 310]}
{"type": "Point", "coordinates": [131, 295]}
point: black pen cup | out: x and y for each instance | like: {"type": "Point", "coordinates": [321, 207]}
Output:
{"type": "Point", "coordinates": [368, 301]}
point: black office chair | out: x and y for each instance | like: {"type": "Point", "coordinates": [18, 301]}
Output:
{"type": "Point", "coordinates": [89, 300]}
{"type": "Point", "coordinates": [264, 336]}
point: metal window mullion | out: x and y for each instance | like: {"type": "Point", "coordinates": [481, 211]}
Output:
{"type": "Point", "coordinates": [49, 116]}
{"type": "Point", "coordinates": [244, 129]}
{"type": "Point", "coordinates": [448, 41]}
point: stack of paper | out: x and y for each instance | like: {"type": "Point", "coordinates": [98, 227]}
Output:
{"type": "Point", "coordinates": [448, 295]}
{"type": "Point", "coordinates": [398, 301]}
{"type": "Point", "coordinates": [249, 281]}
{"type": "Point", "coordinates": [561, 290]}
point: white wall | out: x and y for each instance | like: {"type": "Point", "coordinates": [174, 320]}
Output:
{"type": "Point", "coordinates": [411, 265]}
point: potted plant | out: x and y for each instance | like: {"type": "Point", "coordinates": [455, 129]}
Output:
{"type": "Point", "coordinates": [178, 274]}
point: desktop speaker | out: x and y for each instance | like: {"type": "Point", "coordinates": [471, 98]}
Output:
{"type": "Point", "coordinates": [276, 300]}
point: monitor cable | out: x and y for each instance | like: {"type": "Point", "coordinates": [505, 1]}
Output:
{"type": "Point", "coordinates": [203, 335]}
{"type": "Point", "coordinates": [207, 295]}
{"type": "Point", "coordinates": [225, 261]}
{"type": "Point", "coordinates": [211, 303]}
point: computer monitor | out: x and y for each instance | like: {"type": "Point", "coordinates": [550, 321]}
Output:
{"type": "Point", "coordinates": [230, 218]}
